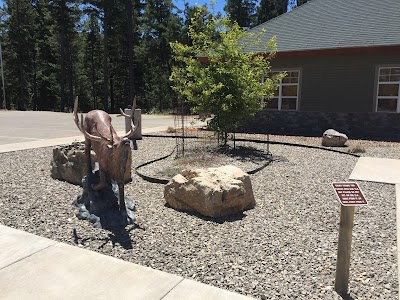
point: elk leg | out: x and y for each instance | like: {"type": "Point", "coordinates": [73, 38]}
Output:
{"type": "Point", "coordinates": [121, 197]}
{"type": "Point", "coordinates": [103, 181]}
{"type": "Point", "coordinates": [88, 159]}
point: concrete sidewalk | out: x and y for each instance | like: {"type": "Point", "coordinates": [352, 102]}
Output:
{"type": "Point", "coordinates": [32, 267]}
{"type": "Point", "coordinates": [382, 170]}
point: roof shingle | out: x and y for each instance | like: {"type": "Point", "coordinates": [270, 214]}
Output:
{"type": "Point", "coordinates": [333, 24]}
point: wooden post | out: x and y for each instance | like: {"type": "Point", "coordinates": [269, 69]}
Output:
{"type": "Point", "coordinates": [344, 249]}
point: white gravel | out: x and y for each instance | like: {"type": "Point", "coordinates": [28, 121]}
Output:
{"type": "Point", "coordinates": [284, 248]}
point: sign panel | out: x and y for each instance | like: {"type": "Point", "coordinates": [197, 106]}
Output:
{"type": "Point", "coordinates": [349, 194]}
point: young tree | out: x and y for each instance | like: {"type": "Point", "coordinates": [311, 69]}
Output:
{"type": "Point", "coordinates": [232, 82]}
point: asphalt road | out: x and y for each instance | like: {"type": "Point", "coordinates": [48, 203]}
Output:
{"type": "Point", "coordinates": [26, 126]}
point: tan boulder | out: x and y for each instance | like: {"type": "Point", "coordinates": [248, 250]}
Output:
{"type": "Point", "coordinates": [212, 192]}
{"type": "Point", "coordinates": [68, 163]}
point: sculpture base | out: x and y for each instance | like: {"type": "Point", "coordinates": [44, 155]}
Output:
{"type": "Point", "coordinates": [101, 207]}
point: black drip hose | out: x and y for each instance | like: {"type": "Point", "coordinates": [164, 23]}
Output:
{"type": "Point", "coordinates": [165, 181]}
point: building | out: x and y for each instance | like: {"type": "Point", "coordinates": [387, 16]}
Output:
{"type": "Point", "coordinates": [342, 60]}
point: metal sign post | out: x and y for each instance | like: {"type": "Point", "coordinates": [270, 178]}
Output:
{"type": "Point", "coordinates": [349, 195]}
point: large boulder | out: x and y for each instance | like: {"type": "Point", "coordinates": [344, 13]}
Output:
{"type": "Point", "coordinates": [333, 138]}
{"type": "Point", "coordinates": [212, 192]}
{"type": "Point", "coordinates": [68, 163]}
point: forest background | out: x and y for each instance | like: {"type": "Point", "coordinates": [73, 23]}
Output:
{"type": "Point", "coordinates": [105, 51]}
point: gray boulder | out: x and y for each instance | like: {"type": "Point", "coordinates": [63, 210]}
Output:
{"type": "Point", "coordinates": [333, 138]}
{"type": "Point", "coordinates": [212, 192]}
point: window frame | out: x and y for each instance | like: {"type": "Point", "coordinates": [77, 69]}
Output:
{"type": "Point", "coordinates": [378, 82]}
{"type": "Point", "coordinates": [286, 84]}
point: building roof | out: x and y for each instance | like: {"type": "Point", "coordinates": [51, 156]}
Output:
{"type": "Point", "coordinates": [334, 24]}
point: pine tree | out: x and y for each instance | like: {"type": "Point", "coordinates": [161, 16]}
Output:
{"type": "Point", "coordinates": [269, 9]}
{"type": "Point", "coordinates": [160, 25]}
{"type": "Point", "coordinates": [301, 2]}
{"type": "Point", "coordinates": [66, 14]}
{"type": "Point", "coordinates": [195, 18]}
{"type": "Point", "coordinates": [46, 87]}
{"type": "Point", "coordinates": [93, 60]}
{"type": "Point", "coordinates": [241, 11]}
{"type": "Point", "coordinates": [19, 45]}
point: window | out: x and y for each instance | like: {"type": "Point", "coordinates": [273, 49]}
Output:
{"type": "Point", "coordinates": [287, 95]}
{"type": "Point", "coordinates": [388, 91]}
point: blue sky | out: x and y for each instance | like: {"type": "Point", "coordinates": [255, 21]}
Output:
{"type": "Point", "coordinates": [219, 4]}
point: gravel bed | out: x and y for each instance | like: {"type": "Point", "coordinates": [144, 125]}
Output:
{"type": "Point", "coordinates": [284, 248]}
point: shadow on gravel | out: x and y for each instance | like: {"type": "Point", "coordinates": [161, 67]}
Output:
{"type": "Point", "coordinates": [347, 297]}
{"type": "Point", "coordinates": [244, 153]}
{"type": "Point", "coordinates": [116, 236]}
{"type": "Point", "coordinates": [221, 220]}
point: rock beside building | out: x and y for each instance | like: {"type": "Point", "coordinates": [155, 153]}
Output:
{"type": "Point", "coordinates": [333, 138]}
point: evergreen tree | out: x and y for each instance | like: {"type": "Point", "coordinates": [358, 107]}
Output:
{"type": "Point", "coordinates": [66, 14]}
{"type": "Point", "coordinates": [46, 87]}
{"type": "Point", "coordinates": [269, 9]}
{"type": "Point", "coordinates": [119, 37]}
{"type": "Point", "coordinates": [159, 26]}
{"type": "Point", "coordinates": [93, 60]}
{"type": "Point", "coordinates": [19, 45]}
{"type": "Point", "coordinates": [241, 11]}
{"type": "Point", "coordinates": [105, 51]}
{"type": "Point", "coordinates": [195, 18]}
{"type": "Point", "coordinates": [301, 2]}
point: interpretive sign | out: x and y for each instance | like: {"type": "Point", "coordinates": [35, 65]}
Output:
{"type": "Point", "coordinates": [349, 194]}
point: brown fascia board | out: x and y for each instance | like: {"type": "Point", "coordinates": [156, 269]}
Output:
{"type": "Point", "coordinates": [329, 52]}
{"type": "Point", "coordinates": [339, 51]}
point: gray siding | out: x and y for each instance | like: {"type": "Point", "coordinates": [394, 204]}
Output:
{"type": "Point", "coordinates": [337, 83]}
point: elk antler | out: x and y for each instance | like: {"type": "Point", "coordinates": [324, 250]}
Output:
{"type": "Point", "coordinates": [80, 126]}
{"type": "Point", "coordinates": [133, 128]}
{"type": "Point", "coordinates": [104, 137]}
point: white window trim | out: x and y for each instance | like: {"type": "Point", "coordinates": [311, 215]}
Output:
{"type": "Point", "coordinates": [280, 90]}
{"type": "Point", "coordinates": [377, 97]}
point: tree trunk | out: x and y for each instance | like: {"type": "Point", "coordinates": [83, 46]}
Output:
{"type": "Point", "coordinates": [63, 57]}
{"type": "Point", "coordinates": [105, 54]}
{"type": "Point", "coordinates": [112, 102]}
{"type": "Point", "coordinates": [70, 77]}
{"type": "Point", "coordinates": [93, 77]}
{"type": "Point", "coordinates": [129, 10]}
{"type": "Point", "coordinates": [62, 70]}
{"type": "Point", "coordinates": [20, 92]}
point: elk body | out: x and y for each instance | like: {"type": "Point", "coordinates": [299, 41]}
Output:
{"type": "Point", "coordinates": [112, 151]}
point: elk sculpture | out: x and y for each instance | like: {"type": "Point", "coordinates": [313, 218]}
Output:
{"type": "Point", "coordinates": [112, 151]}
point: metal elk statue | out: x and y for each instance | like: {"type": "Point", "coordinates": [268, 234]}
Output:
{"type": "Point", "coordinates": [112, 151]}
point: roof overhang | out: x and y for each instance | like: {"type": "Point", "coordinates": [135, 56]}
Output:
{"type": "Point", "coordinates": [330, 52]}
{"type": "Point", "coordinates": [339, 51]}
